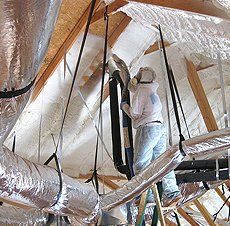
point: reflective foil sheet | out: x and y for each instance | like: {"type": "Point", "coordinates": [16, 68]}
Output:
{"type": "Point", "coordinates": [212, 142]}
{"type": "Point", "coordinates": [37, 186]}
{"type": "Point", "coordinates": [14, 216]}
{"type": "Point", "coordinates": [25, 30]}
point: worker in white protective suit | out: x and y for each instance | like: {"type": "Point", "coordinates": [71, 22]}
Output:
{"type": "Point", "coordinates": [150, 139]}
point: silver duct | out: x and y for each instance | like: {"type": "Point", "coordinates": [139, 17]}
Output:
{"type": "Point", "coordinates": [212, 142]}
{"type": "Point", "coordinates": [14, 216]}
{"type": "Point", "coordinates": [25, 30]}
{"type": "Point", "coordinates": [37, 186]}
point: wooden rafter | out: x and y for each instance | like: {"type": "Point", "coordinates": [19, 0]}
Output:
{"type": "Point", "coordinates": [154, 47]}
{"type": "Point", "coordinates": [169, 222]}
{"type": "Point", "coordinates": [187, 217]}
{"type": "Point", "coordinates": [67, 44]}
{"type": "Point", "coordinates": [117, 32]}
{"type": "Point", "coordinates": [111, 40]}
{"type": "Point", "coordinates": [109, 177]}
{"type": "Point", "coordinates": [201, 98]}
{"type": "Point", "coordinates": [200, 68]}
{"type": "Point", "coordinates": [107, 182]}
{"type": "Point", "coordinates": [208, 117]}
{"type": "Point", "coordinates": [219, 193]}
{"type": "Point", "coordinates": [195, 6]}
{"type": "Point", "coordinates": [111, 8]}
{"type": "Point", "coordinates": [204, 212]}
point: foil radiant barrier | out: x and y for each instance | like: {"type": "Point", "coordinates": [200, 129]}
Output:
{"type": "Point", "coordinates": [25, 30]}
{"type": "Point", "coordinates": [10, 215]}
{"type": "Point", "coordinates": [37, 186]}
{"type": "Point", "coordinates": [209, 143]}
{"type": "Point", "coordinates": [24, 182]}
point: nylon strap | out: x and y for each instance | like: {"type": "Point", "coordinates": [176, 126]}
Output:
{"type": "Point", "coordinates": [94, 176]}
{"type": "Point", "coordinates": [14, 93]}
{"type": "Point", "coordinates": [77, 67]}
{"type": "Point", "coordinates": [179, 100]}
{"type": "Point", "coordinates": [14, 144]}
{"type": "Point", "coordinates": [54, 156]}
{"type": "Point", "coordinates": [169, 73]}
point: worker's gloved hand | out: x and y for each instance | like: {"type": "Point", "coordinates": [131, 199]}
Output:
{"type": "Point", "coordinates": [112, 66]}
{"type": "Point", "coordinates": [124, 102]}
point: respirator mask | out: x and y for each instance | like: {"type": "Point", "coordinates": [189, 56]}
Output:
{"type": "Point", "coordinates": [145, 75]}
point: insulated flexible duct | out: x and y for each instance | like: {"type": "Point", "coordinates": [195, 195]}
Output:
{"type": "Point", "coordinates": [37, 186]}
{"type": "Point", "coordinates": [213, 142]}
{"type": "Point", "coordinates": [15, 216]}
{"type": "Point", "coordinates": [25, 30]}
{"type": "Point", "coordinates": [22, 181]}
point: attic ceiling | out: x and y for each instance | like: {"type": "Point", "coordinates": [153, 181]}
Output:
{"type": "Point", "coordinates": [122, 40]}
{"type": "Point", "coordinates": [135, 42]}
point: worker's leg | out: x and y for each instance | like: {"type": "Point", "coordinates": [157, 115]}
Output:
{"type": "Point", "coordinates": [146, 138]}
{"type": "Point", "coordinates": [169, 184]}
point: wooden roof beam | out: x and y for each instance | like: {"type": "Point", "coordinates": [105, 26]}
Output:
{"type": "Point", "coordinates": [209, 120]}
{"type": "Point", "coordinates": [201, 98]}
{"type": "Point", "coordinates": [67, 44]}
{"type": "Point", "coordinates": [119, 29]}
{"type": "Point", "coordinates": [111, 40]}
{"type": "Point", "coordinates": [169, 222]}
{"type": "Point", "coordinates": [114, 6]}
{"type": "Point", "coordinates": [187, 217]}
{"type": "Point", "coordinates": [219, 193]}
{"type": "Point", "coordinates": [154, 47]}
{"type": "Point", "coordinates": [107, 182]}
{"type": "Point", "coordinates": [195, 6]}
{"type": "Point", "coordinates": [204, 212]}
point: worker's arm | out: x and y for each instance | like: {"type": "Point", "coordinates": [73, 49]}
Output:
{"type": "Point", "coordinates": [137, 108]}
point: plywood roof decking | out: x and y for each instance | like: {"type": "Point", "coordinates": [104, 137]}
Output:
{"type": "Point", "coordinates": [98, 28]}
{"type": "Point", "coordinates": [69, 16]}
{"type": "Point", "coordinates": [72, 10]}
{"type": "Point", "coordinates": [70, 13]}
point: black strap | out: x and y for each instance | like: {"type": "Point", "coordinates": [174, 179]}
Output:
{"type": "Point", "coordinates": [216, 214]}
{"type": "Point", "coordinates": [14, 144]}
{"type": "Point", "coordinates": [169, 73]}
{"type": "Point", "coordinates": [179, 100]}
{"type": "Point", "coordinates": [54, 156]}
{"type": "Point", "coordinates": [94, 176]}
{"type": "Point", "coordinates": [77, 67]}
{"type": "Point", "coordinates": [70, 93]}
{"type": "Point", "coordinates": [14, 93]}
{"type": "Point", "coordinates": [177, 218]}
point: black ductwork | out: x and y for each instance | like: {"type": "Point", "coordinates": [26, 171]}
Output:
{"type": "Point", "coordinates": [203, 164]}
{"type": "Point", "coordinates": [115, 127]}
{"type": "Point", "coordinates": [127, 128]}
{"type": "Point", "coordinates": [201, 176]}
